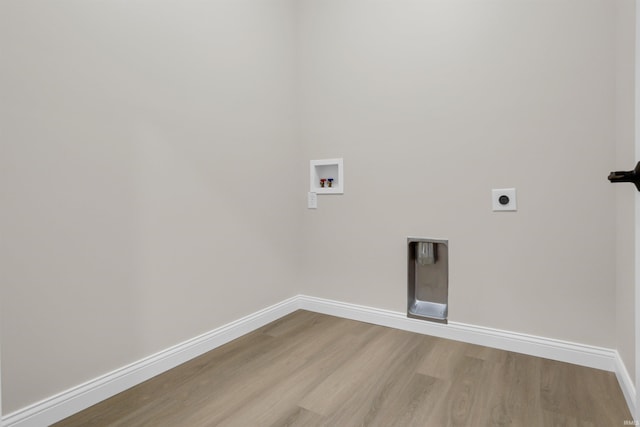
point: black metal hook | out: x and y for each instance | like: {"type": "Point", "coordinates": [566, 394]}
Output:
{"type": "Point", "coordinates": [627, 176]}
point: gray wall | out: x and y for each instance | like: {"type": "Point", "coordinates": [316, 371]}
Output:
{"type": "Point", "coordinates": [147, 169]}
{"type": "Point", "coordinates": [625, 206]}
{"type": "Point", "coordinates": [432, 104]}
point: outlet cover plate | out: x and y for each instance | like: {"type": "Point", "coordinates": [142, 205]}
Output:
{"type": "Point", "coordinates": [312, 200]}
{"type": "Point", "coordinates": [510, 206]}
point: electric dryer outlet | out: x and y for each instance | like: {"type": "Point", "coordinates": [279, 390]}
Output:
{"type": "Point", "coordinates": [504, 199]}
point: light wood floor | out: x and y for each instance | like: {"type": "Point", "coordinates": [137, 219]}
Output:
{"type": "Point", "coordinates": [309, 369]}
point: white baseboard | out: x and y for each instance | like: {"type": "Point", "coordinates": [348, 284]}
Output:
{"type": "Point", "coordinates": [626, 384]}
{"type": "Point", "coordinates": [69, 402]}
{"type": "Point", "coordinates": [579, 354]}
{"type": "Point", "coordinates": [81, 397]}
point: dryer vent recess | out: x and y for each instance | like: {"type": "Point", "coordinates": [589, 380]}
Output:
{"type": "Point", "coordinates": [428, 279]}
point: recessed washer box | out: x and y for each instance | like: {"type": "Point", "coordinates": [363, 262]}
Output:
{"type": "Point", "coordinates": [327, 169]}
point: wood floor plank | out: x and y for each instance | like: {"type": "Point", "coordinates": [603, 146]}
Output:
{"type": "Point", "coordinates": [284, 326]}
{"type": "Point", "coordinates": [415, 403]}
{"type": "Point", "coordinates": [375, 395]}
{"type": "Point", "coordinates": [465, 389]}
{"type": "Point", "coordinates": [353, 379]}
{"type": "Point", "coordinates": [558, 388]}
{"type": "Point", "coordinates": [444, 358]}
{"type": "Point", "coordinates": [267, 407]}
{"type": "Point", "coordinates": [553, 419]}
{"type": "Point", "coordinates": [489, 354]}
{"type": "Point", "coordinates": [595, 390]}
{"type": "Point", "coordinates": [309, 369]}
{"type": "Point", "coordinates": [392, 387]}
{"type": "Point", "coordinates": [513, 391]}
{"type": "Point", "coordinates": [298, 417]}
